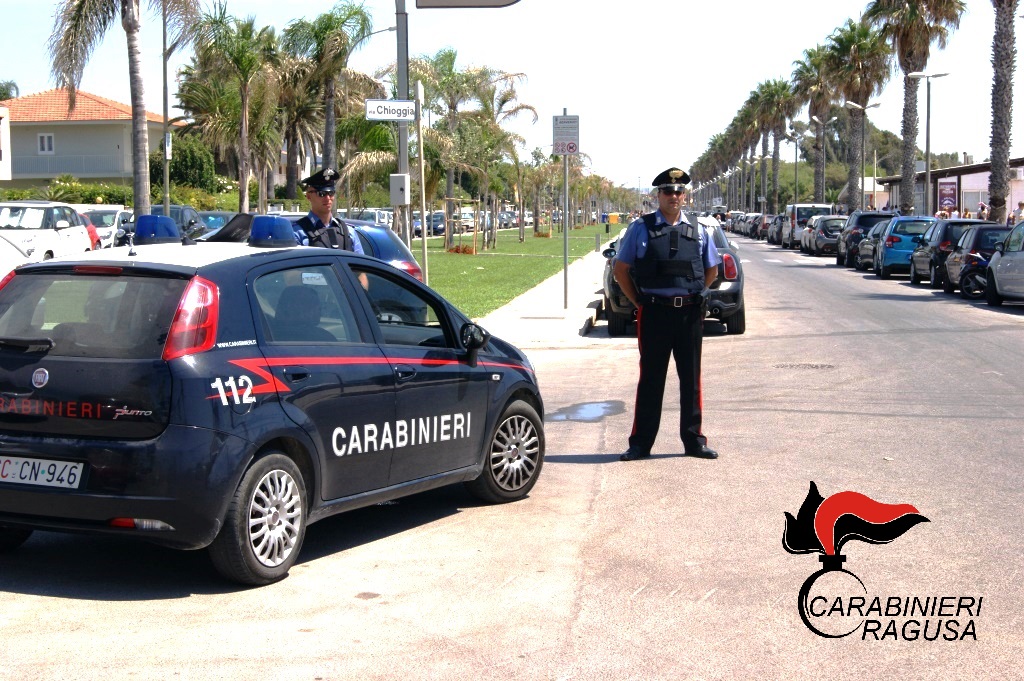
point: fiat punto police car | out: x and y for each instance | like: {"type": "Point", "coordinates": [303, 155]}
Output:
{"type": "Point", "coordinates": [227, 395]}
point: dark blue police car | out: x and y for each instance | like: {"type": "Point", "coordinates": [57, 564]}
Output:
{"type": "Point", "coordinates": [226, 395]}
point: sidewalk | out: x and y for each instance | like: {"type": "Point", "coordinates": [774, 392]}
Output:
{"type": "Point", "coordinates": [540, 317]}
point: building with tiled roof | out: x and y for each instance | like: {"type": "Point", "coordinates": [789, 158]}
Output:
{"type": "Point", "coordinates": [93, 141]}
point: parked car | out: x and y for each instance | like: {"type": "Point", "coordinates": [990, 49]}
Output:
{"type": "Point", "coordinates": [436, 224]}
{"type": "Point", "coordinates": [774, 235]}
{"type": "Point", "coordinates": [725, 302]}
{"type": "Point", "coordinates": [44, 229]}
{"type": "Point", "coordinates": [732, 222]}
{"type": "Point", "coordinates": [967, 263]}
{"type": "Point", "coordinates": [797, 215]}
{"type": "Point", "coordinates": [858, 224]}
{"type": "Point", "coordinates": [107, 221]}
{"type": "Point", "coordinates": [865, 258]}
{"type": "Point", "coordinates": [749, 224]}
{"type": "Point", "coordinates": [760, 230]}
{"type": "Point", "coordinates": [187, 218]}
{"type": "Point", "coordinates": [897, 241]}
{"type": "Point", "coordinates": [224, 396]}
{"type": "Point", "coordinates": [1005, 274]}
{"type": "Point", "coordinates": [821, 234]}
{"type": "Point", "coordinates": [934, 246]}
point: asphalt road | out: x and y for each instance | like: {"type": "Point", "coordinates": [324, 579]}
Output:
{"type": "Point", "coordinates": [668, 568]}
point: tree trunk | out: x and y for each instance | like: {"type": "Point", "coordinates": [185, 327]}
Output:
{"type": "Point", "coordinates": [243, 155]}
{"type": "Point", "coordinates": [854, 155]}
{"type": "Point", "coordinates": [330, 125]}
{"type": "Point", "coordinates": [291, 171]}
{"type": "Point", "coordinates": [773, 206]}
{"type": "Point", "coordinates": [764, 172]}
{"type": "Point", "coordinates": [908, 166]}
{"type": "Point", "coordinates": [130, 21]}
{"type": "Point", "coordinates": [1003, 58]}
{"type": "Point", "coordinates": [819, 164]}
{"type": "Point", "coordinates": [449, 208]}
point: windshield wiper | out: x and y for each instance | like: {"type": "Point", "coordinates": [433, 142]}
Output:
{"type": "Point", "coordinates": [28, 344]}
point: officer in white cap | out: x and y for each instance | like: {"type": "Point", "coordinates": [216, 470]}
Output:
{"type": "Point", "coordinates": [665, 263]}
{"type": "Point", "coordinates": [321, 227]}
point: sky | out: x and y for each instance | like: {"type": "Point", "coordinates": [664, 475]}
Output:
{"type": "Point", "coordinates": [652, 81]}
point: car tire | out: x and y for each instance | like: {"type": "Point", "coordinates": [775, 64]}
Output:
{"type": "Point", "coordinates": [12, 537]}
{"type": "Point", "coordinates": [915, 278]}
{"type": "Point", "coordinates": [992, 296]}
{"type": "Point", "coordinates": [947, 285]}
{"type": "Point", "coordinates": [972, 287]}
{"type": "Point", "coordinates": [850, 262]}
{"type": "Point", "coordinates": [884, 271]}
{"type": "Point", "coordinates": [839, 258]}
{"type": "Point", "coordinates": [514, 458]}
{"type": "Point", "coordinates": [736, 323]}
{"type": "Point", "coordinates": [616, 322]}
{"type": "Point", "coordinates": [270, 501]}
{"type": "Point", "coordinates": [934, 276]}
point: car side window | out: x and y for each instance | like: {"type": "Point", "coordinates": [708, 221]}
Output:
{"type": "Point", "coordinates": [404, 315]}
{"type": "Point", "coordinates": [305, 305]}
{"type": "Point", "coordinates": [929, 234]}
{"type": "Point", "coordinates": [964, 238]}
{"type": "Point", "coordinates": [1016, 239]}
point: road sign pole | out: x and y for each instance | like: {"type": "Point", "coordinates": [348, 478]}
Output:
{"type": "Point", "coordinates": [426, 224]}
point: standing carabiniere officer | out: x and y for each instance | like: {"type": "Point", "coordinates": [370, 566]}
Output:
{"type": "Point", "coordinates": [665, 263]}
{"type": "Point", "coordinates": [321, 227]}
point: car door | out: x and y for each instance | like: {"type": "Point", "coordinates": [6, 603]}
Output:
{"type": "Point", "coordinates": [955, 260]}
{"type": "Point", "coordinates": [1008, 267]}
{"type": "Point", "coordinates": [69, 239]}
{"type": "Point", "coordinates": [921, 255]}
{"type": "Point", "coordinates": [332, 379]}
{"type": "Point", "coordinates": [441, 401]}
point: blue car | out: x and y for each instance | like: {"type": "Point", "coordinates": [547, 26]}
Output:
{"type": "Point", "coordinates": [896, 243]}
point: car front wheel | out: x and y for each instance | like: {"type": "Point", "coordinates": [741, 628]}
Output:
{"type": "Point", "coordinates": [934, 276]}
{"type": "Point", "coordinates": [514, 458]}
{"type": "Point", "coordinates": [915, 278]}
{"type": "Point", "coordinates": [265, 523]}
{"type": "Point", "coordinates": [992, 296]}
{"type": "Point", "coordinates": [737, 322]}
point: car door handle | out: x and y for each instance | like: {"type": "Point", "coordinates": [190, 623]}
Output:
{"type": "Point", "coordinates": [404, 372]}
{"type": "Point", "coordinates": [296, 374]}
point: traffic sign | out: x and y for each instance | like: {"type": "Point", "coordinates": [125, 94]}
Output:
{"type": "Point", "coordinates": [390, 110]}
{"type": "Point", "coordinates": [566, 135]}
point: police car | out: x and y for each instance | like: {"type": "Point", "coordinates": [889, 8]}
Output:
{"type": "Point", "coordinates": [226, 395]}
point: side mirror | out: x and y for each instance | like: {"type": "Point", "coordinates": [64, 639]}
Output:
{"type": "Point", "coordinates": [473, 338]}
{"type": "Point", "coordinates": [916, 240]}
{"type": "Point", "coordinates": [609, 252]}
{"type": "Point", "coordinates": [62, 224]}
{"type": "Point", "coordinates": [999, 247]}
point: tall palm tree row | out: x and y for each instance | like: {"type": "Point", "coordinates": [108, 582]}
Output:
{"type": "Point", "coordinates": [80, 25]}
{"type": "Point", "coordinates": [910, 27]}
{"type": "Point", "coordinates": [812, 87]}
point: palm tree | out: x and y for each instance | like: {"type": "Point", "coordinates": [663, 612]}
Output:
{"type": "Point", "coordinates": [235, 48]}
{"type": "Point", "coordinates": [79, 26]}
{"type": "Point", "coordinates": [911, 26]}
{"type": "Point", "coordinates": [811, 85]}
{"type": "Point", "coordinates": [779, 105]}
{"type": "Point", "coordinates": [1004, 58]}
{"type": "Point", "coordinates": [858, 63]}
{"type": "Point", "coordinates": [328, 41]}
{"type": "Point", "coordinates": [8, 90]}
{"type": "Point", "coordinates": [301, 114]}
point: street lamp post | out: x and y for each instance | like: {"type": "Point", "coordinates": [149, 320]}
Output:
{"type": "Point", "coordinates": [863, 136]}
{"type": "Point", "coordinates": [918, 75]}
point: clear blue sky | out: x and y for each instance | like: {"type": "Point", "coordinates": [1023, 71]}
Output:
{"type": "Point", "coordinates": [652, 81]}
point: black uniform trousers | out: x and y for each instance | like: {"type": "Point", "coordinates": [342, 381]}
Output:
{"type": "Point", "coordinates": [664, 331]}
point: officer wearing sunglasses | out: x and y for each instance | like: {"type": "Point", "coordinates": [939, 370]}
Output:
{"type": "Point", "coordinates": [665, 262]}
{"type": "Point", "coordinates": [321, 227]}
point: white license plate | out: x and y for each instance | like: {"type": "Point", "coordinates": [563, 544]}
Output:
{"type": "Point", "coordinates": [42, 472]}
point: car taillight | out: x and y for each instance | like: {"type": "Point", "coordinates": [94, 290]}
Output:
{"type": "Point", "coordinates": [892, 240]}
{"type": "Point", "coordinates": [194, 328]}
{"type": "Point", "coordinates": [946, 246]}
{"type": "Point", "coordinates": [410, 268]}
{"type": "Point", "coordinates": [729, 267]}
{"type": "Point", "coordinates": [3, 282]}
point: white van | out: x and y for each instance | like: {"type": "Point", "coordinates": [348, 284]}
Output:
{"type": "Point", "coordinates": [796, 220]}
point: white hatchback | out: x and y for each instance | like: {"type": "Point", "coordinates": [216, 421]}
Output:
{"type": "Point", "coordinates": [43, 229]}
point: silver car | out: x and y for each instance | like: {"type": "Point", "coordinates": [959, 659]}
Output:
{"type": "Point", "coordinates": [1005, 280]}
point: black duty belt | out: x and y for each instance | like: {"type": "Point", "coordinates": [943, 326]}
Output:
{"type": "Point", "coordinates": [670, 301]}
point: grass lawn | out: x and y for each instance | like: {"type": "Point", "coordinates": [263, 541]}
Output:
{"type": "Point", "coordinates": [481, 283]}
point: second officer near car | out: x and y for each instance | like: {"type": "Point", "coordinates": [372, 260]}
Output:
{"type": "Point", "coordinates": [321, 227]}
{"type": "Point", "coordinates": [665, 264]}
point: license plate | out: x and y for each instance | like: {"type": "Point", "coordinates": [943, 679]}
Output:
{"type": "Point", "coordinates": [41, 472]}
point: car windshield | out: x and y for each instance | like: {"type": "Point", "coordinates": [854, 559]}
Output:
{"type": "Point", "coordinates": [103, 218]}
{"type": "Point", "coordinates": [911, 227]}
{"type": "Point", "coordinates": [21, 217]}
{"type": "Point", "coordinates": [988, 238]}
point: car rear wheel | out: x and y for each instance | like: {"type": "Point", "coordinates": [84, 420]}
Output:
{"type": "Point", "coordinates": [12, 537]}
{"type": "Point", "coordinates": [515, 456]}
{"type": "Point", "coordinates": [850, 261]}
{"type": "Point", "coordinates": [736, 323]}
{"type": "Point", "coordinates": [616, 322]}
{"type": "Point", "coordinates": [884, 271]}
{"type": "Point", "coordinates": [265, 523]}
{"type": "Point", "coordinates": [947, 285]}
{"type": "Point", "coordinates": [839, 258]}
{"type": "Point", "coordinates": [992, 296]}
{"type": "Point", "coordinates": [934, 276]}
{"type": "Point", "coordinates": [972, 286]}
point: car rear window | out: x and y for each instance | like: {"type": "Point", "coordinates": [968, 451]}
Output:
{"type": "Point", "coordinates": [832, 224]}
{"type": "Point", "coordinates": [804, 212]}
{"type": "Point", "coordinates": [988, 238]}
{"type": "Point", "coordinates": [911, 227]}
{"type": "Point", "coordinates": [867, 221]}
{"type": "Point", "coordinates": [91, 316]}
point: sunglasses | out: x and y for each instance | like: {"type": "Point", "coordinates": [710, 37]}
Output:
{"type": "Point", "coordinates": [325, 192]}
{"type": "Point", "coordinates": [672, 192]}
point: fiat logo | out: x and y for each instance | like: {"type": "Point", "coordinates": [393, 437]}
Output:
{"type": "Point", "coordinates": [40, 377]}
